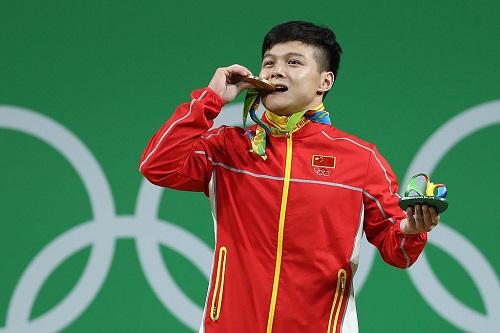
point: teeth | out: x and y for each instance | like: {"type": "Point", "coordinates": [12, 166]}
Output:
{"type": "Point", "coordinates": [281, 88]}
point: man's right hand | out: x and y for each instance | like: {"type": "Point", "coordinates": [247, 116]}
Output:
{"type": "Point", "coordinates": [227, 83]}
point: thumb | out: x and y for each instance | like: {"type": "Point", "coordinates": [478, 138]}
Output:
{"type": "Point", "coordinates": [244, 86]}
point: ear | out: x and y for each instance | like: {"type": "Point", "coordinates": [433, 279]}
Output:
{"type": "Point", "coordinates": [327, 79]}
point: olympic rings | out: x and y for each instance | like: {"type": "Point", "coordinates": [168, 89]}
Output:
{"type": "Point", "coordinates": [150, 232]}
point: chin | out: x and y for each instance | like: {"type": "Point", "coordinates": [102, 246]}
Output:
{"type": "Point", "coordinates": [277, 106]}
{"type": "Point", "coordinates": [282, 112]}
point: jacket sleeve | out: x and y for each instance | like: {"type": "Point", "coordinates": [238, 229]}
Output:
{"type": "Point", "coordinates": [178, 155]}
{"type": "Point", "coordinates": [382, 215]}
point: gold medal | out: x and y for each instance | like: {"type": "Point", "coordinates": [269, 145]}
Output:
{"type": "Point", "coordinates": [259, 83]}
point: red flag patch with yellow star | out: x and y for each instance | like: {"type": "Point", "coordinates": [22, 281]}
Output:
{"type": "Point", "coordinates": [324, 161]}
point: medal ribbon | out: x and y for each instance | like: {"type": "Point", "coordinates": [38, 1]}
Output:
{"type": "Point", "coordinates": [282, 124]}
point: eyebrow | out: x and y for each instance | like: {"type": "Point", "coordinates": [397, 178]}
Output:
{"type": "Point", "coordinates": [286, 55]}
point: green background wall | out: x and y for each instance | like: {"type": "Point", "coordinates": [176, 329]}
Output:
{"type": "Point", "coordinates": [110, 72]}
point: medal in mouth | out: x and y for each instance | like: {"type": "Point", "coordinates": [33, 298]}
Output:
{"type": "Point", "coordinates": [260, 83]}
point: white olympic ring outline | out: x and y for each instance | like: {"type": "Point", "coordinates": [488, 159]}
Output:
{"type": "Point", "coordinates": [148, 231]}
{"type": "Point", "coordinates": [151, 232]}
{"type": "Point", "coordinates": [449, 240]}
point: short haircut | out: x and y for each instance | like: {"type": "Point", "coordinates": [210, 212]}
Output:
{"type": "Point", "coordinates": [322, 38]}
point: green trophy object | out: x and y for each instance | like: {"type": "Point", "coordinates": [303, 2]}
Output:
{"type": "Point", "coordinates": [434, 194]}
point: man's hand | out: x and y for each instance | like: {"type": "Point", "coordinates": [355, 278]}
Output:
{"type": "Point", "coordinates": [419, 219]}
{"type": "Point", "coordinates": [227, 83]}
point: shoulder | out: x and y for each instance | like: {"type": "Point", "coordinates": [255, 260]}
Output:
{"type": "Point", "coordinates": [224, 131]}
{"type": "Point", "coordinates": [344, 138]}
{"type": "Point", "coordinates": [225, 136]}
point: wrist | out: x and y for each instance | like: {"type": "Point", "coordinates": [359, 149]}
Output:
{"type": "Point", "coordinates": [407, 230]}
{"type": "Point", "coordinates": [403, 226]}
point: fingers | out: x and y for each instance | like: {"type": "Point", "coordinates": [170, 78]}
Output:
{"type": "Point", "coordinates": [410, 227]}
{"type": "Point", "coordinates": [224, 81]}
{"type": "Point", "coordinates": [421, 218]}
{"type": "Point", "coordinates": [427, 218]}
{"type": "Point", "coordinates": [409, 215]}
{"type": "Point", "coordinates": [245, 85]}
{"type": "Point", "coordinates": [228, 75]}
{"type": "Point", "coordinates": [236, 70]}
{"type": "Point", "coordinates": [434, 215]}
{"type": "Point", "coordinates": [431, 217]}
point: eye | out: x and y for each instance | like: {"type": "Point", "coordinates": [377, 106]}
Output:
{"type": "Point", "coordinates": [294, 62]}
{"type": "Point", "coordinates": [267, 63]}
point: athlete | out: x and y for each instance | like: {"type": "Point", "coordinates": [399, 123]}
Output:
{"type": "Point", "coordinates": [290, 196]}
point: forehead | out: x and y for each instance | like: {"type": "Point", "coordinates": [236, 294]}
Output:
{"type": "Point", "coordinates": [294, 47]}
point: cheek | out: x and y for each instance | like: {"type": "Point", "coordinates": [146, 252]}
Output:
{"type": "Point", "coordinates": [310, 83]}
{"type": "Point", "coordinates": [304, 78]}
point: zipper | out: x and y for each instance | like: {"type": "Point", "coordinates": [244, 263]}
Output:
{"type": "Point", "coordinates": [219, 285]}
{"type": "Point", "coordinates": [281, 228]}
{"type": "Point", "coordinates": [337, 301]}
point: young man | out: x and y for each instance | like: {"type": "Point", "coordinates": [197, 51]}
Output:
{"type": "Point", "coordinates": [291, 199]}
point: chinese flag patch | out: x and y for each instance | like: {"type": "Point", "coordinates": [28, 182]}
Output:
{"type": "Point", "coordinates": [324, 161]}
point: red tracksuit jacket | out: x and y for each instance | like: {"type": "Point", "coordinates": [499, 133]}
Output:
{"type": "Point", "coordinates": [288, 228]}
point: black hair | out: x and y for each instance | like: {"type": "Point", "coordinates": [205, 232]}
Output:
{"type": "Point", "coordinates": [320, 37]}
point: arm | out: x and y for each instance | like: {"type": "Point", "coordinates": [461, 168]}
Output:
{"type": "Point", "coordinates": [176, 155]}
{"type": "Point", "coordinates": [170, 158]}
{"type": "Point", "coordinates": [384, 218]}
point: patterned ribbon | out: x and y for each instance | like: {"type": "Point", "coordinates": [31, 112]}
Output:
{"type": "Point", "coordinates": [281, 125]}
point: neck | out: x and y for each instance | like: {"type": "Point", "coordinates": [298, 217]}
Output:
{"type": "Point", "coordinates": [281, 122]}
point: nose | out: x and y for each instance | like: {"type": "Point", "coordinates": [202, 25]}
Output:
{"type": "Point", "coordinates": [277, 72]}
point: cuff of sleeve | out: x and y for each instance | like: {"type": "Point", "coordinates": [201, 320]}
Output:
{"type": "Point", "coordinates": [412, 245]}
{"type": "Point", "coordinates": [210, 98]}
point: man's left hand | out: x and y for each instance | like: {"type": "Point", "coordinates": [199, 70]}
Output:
{"type": "Point", "coordinates": [420, 218]}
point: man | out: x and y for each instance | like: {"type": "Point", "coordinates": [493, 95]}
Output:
{"type": "Point", "coordinates": [290, 197]}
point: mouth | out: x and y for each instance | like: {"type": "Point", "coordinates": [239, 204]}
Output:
{"type": "Point", "coordinates": [279, 88]}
